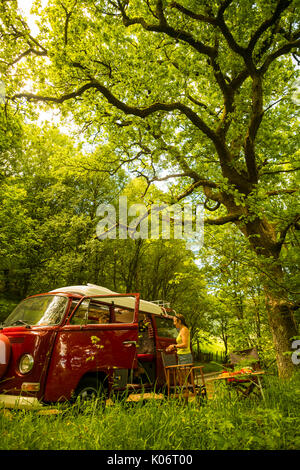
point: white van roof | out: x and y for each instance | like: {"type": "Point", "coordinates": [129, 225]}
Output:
{"type": "Point", "coordinates": [126, 302]}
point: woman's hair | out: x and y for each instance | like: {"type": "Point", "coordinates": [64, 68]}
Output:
{"type": "Point", "coordinates": [181, 318]}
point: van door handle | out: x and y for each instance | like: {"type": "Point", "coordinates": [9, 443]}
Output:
{"type": "Point", "coordinates": [129, 343]}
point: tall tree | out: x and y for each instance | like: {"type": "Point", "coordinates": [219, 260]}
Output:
{"type": "Point", "coordinates": [199, 88]}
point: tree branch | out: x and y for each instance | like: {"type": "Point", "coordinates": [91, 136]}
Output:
{"type": "Point", "coordinates": [223, 220]}
{"type": "Point", "coordinates": [225, 158]}
{"type": "Point", "coordinates": [211, 209]}
{"type": "Point", "coordinates": [280, 7]}
{"type": "Point", "coordinates": [282, 191]}
{"type": "Point", "coordinates": [285, 49]}
{"type": "Point", "coordinates": [284, 232]}
{"type": "Point", "coordinates": [187, 171]}
{"type": "Point", "coordinates": [164, 27]}
{"type": "Point", "coordinates": [234, 46]}
{"type": "Point", "coordinates": [53, 99]}
{"type": "Point", "coordinates": [191, 14]}
{"type": "Point", "coordinates": [256, 118]}
{"type": "Point", "coordinates": [136, 111]}
{"type": "Point", "coordinates": [279, 171]}
{"type": "Point", "coordinates": [26, 53]}
{"type": "Point", "coordinates": [195, 185]}
{"type": "Point", "coordinates": [201, 105]}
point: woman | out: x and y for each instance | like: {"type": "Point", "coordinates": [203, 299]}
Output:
{"type": "Point", "coordinates": [182, 346]}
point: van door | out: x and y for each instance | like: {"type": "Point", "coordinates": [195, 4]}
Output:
{"type": "Point", "coordinates": [99, 336]}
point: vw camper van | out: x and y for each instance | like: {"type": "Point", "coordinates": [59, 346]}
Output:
{"type": "Point", "coordinates": [76, 341]}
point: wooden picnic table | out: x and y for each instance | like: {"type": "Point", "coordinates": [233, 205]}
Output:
{"type": "Point", "coordinates": [243, 375]}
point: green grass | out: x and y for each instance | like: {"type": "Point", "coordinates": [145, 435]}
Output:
{"type": "Point", "coordinates": [209, 367]}
{"type": "Point", "coordinates": [222, 423]}
{"type": "Point", "coordinates": [212, 348]}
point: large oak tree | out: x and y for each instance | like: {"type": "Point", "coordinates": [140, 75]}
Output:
{"type": "Point", "coordinates": [195, 90]}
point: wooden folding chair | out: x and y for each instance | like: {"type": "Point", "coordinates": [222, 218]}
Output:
{"type": "Point", "coordinates": [183, 379]}
{"type": "Point", "coordinates": [247, 356]}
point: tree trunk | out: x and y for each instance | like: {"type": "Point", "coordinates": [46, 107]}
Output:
{"type": "Point", "coordinates": [281, 320]}
{"type": "Point", "coordinates": [133, 267]}
{"type": "Point", "coordinates": [283, 328]}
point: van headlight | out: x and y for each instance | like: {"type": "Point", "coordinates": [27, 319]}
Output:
{"type": "Point", "coordinates": [26, 363]}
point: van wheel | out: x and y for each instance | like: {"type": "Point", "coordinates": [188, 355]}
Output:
{"type": "Point", "coordinates": [91, 389]}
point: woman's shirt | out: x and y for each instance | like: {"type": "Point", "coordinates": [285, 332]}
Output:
{"type": "Point", "coordinates": [183, 350]}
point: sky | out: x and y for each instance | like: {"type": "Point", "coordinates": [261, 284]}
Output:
{"type": "Point", "coordinates": [25, 7]}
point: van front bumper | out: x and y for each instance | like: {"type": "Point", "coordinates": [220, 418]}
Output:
{"type": "Point", "coordinates": [17, 401]}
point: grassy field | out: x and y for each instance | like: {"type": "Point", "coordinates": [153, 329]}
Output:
{"type": "Point", "coordinates": [225, 422]}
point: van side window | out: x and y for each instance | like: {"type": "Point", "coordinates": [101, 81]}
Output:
{"type": "Point", "coordinates": [91, 313]}
{"type": "Point", "coordinates": [73, 305]}
{"type": "Point", "coordinates": [166, 328]}
{"type": "Point", "coordinates": [94, 312]}
{"type": "Point", "coordinates": [98, 313]}
{"type": "Point", "coordinates": [123, 315]}
{"type": "Point", "coordinates": [80, 314]}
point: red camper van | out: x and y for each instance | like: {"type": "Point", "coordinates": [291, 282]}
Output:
{"type": "Point", "coordinates": [75, 341]}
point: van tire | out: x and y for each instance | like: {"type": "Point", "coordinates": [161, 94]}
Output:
{"type": "Point", "coordinates": [89, 389]}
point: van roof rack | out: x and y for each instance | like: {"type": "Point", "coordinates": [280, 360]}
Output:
{"type": "Point", "coordinates": [165, 306]}
{"type": "Point", "coordinates": [161, 303]}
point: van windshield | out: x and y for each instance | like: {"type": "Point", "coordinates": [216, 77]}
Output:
{"type": "Point", "coordinates": [42, 310]}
